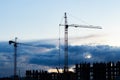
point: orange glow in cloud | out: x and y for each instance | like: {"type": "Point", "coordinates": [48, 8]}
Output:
{"type": "Point", "coordinates": [60, 70]}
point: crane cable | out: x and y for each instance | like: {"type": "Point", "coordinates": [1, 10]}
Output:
{"type": "Point", "coordinates": [59, 48]}
{"type": "Point", "coordinates": [81, 20]}
{"type": "Point", "coordinates": [59, 43]}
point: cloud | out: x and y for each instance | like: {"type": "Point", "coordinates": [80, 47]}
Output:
{"type": "Point", "coordinates": [46, 55]}
{"type": "Point", "coordinates": [89, 39]}
{"type": "Point", "coordinates": [87, 55]}
{"type": "Point", "coordinates": [5, 47]}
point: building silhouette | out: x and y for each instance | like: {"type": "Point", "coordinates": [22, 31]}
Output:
{"type": "Point", "coordinates": [82, 71]}
{"type": "Point", "coordinates": [98, 71]}
{"type": "Point", "coordinates": [44, 75]}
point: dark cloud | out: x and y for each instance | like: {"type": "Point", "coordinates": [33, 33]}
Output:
{"type": "Point", "coordinates": [48, 54]}
{"type": "Point", "coordinates": [99, 53]}
{"type": "Point", "coordinates": [46, 45]}
{"type": "Point", "coordinates": [5, 47]}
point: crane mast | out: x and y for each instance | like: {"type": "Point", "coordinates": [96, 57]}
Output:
{"type": "Point", "coordinates": [66, 38]}
{"type": "Point", "coordinates": [66, 45]}
{"type": "Point", "coordinates": [15, 64]}
{"type": "Point", "coordinates": [15, 56]}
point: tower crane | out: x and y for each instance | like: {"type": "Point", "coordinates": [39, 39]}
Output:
{"type": "Point", "coordinates": [66, 38]}
{"type": "Point", "coordinates": [15, 44]}
{"type": "Point", "coordinates": [15, 51]}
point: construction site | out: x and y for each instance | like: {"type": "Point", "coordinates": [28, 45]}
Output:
{"type": "Point", "coordinates": [82, 71]}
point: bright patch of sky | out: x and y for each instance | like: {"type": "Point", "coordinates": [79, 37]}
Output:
{"type": "Point", "coordinates": [38, 19]}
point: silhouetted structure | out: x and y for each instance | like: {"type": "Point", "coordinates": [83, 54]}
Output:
{"type": "Point", "coordinates": [98, 71]}
{"type": "Point", "coordinates": [37, 75]}
{"type": "Point", "coordinates": [110, 71]}
{"type": "Point", "coordinates": [44, 75]}
{"type": "Point", "coordinates": [5, 78]}
{"type": "Point", "coordinates": [82, 71]}
{"type": "Point", "coordinates": [118, 69]}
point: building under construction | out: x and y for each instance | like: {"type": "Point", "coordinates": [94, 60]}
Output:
{"type": "Point", "coordinates": [97, 71]}
{"type": "Point", "coordinates": [44, 75]}
{"type": "Point", "coordinates": [83, 71]}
